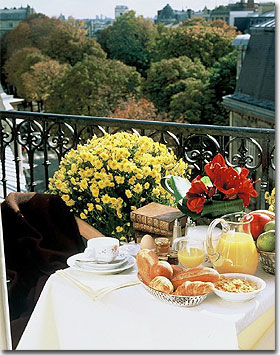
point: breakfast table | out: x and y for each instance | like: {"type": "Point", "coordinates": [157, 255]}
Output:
{"type": "Point", "coordinates": [68, 316]}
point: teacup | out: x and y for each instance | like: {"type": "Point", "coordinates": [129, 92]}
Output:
{"type": "Point", "coordinates": [103, 249]}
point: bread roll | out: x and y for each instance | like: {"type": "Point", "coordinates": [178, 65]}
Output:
{"type": "Point", "coordinates": [162, 268]}
{"type": "Point", "coordinates": [205, 274]}
{"type": "Point", "coordinates": [176, 269]}
{"type": "Point", "coordinates": [194, 288]}
{"type": "Point", "coordinates": [162, 284]}
{"type": "Point", "coordinates": [145, 259]}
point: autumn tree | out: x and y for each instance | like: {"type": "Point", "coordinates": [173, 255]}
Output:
{"type": "Point", "coordinates": [195, 38]}
{"type": "Point", "coordinates": [39, 80]}
{"type": "Point", "coordinates": [67, 43]}
{"type": "Point", "coordinates": [137, 109]}
{"type": "Point", "coordinates": [129, 40]}
{"type": "Point", "coordinates": [32, 32]}
{"type": "Point", "coordinates": [93, 86]}
{"type": "Point", "coordinates": [170, 77]}
{"type": "Point", "coordinates": [19, 63]}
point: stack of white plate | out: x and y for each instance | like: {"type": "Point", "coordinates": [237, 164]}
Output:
{"type": "Point", "coordinates": [82, 263]}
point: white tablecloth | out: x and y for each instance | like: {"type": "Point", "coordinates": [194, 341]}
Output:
{"type": "Point", "coordinates": [132, 319]}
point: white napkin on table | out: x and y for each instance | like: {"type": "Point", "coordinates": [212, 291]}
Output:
{"type": "Point", "coordinates": [97, 287]}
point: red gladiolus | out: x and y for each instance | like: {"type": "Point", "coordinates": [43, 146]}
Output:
{"type": "Point", "coordinates": [214, 166]}
{"type": "Point", "coordinates": [196, 196]}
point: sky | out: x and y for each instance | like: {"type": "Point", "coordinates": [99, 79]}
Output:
{"type": "Point", "coordinates": [91, 8]}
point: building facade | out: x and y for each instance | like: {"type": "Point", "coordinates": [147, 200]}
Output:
{"type": "Point", "coordinates": [120, 10]}
{"type": "Point", "coordinates": [10, 18]}
{"type": "Point", "coordinates": [253, 102]}
{"type": "Point", "coordinates": [168, 15]}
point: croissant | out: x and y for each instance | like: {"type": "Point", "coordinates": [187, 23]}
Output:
{"type": "Point", "coordinates": [162, 284]}
{"type": "Point", "coordinates": [194, 288]}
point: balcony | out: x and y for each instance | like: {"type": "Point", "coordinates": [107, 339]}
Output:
{"type": "Point", "coordinates": [38, 141]}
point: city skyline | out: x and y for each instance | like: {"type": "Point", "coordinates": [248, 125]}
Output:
{"type": "Point", "coordinates": [92, 8]}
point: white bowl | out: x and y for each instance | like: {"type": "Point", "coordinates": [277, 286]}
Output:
{"type": "Point", "coordinates": [241, 297]}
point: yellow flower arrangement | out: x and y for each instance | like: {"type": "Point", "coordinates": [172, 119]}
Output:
{"type": "Point", "coordinates": [271, 200]}
{"type": "Point", "coordinates": [110, 176]}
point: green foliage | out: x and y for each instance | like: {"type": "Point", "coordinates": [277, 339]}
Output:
{"type": "Point", "coordinates": [222, 82]}
{"type": "Point", "coordinates": [93, 87]}
{"type": "Point", "coordinates": [195, 38]}
{"type": "Point", "coordinates": [169, 78]}
{"type": "Point", "coordinates": [129, 40]}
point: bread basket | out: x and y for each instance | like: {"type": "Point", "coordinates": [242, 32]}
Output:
{"type": "Point", "coordinates": [181, 301]}
{"type": "Point", "coordinates": [267, 260]}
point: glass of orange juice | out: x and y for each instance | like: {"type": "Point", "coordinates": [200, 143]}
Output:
{"type": "Point", "coordinates": [191, 252]}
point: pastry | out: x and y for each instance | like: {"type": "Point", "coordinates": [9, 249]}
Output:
{"type": "Point", "coordinates": [162, 284]}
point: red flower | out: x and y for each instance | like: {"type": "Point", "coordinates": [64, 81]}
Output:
{"type": "Point", "coordinates": [196, 196]}
{"type": "Point", "coordinates": [214, 166]}
{"type": "Point", "coordinates": [246, 189]}
{"type": "Point", "coordinates": [227, 181]}
{"type": "Point", "coordinates": [234, 185]}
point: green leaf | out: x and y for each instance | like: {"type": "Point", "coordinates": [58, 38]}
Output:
{"type": "Point", "coordinates": [219, 208]}
{"type": "Point", "coordinates": [207, 181]}
{"type": "Point", "coordinates": [212, 209]}
{"type": "Point", "coordinates": [176, 185]}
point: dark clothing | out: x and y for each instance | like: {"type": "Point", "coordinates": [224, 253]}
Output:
{"type": "Point", "coordinates": [40, 233]}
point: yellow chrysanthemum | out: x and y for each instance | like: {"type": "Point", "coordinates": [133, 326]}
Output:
{"type": "Point", "coordinates": [119, 229]}
{"type": "Point", "coordinates": [97, 174]}
{"type": "Point", "coordinates": [128, 193]}
{"type": "Point", "coordinates": [138, 188]}
{"type": "Point", "coordinates": [65, 198]}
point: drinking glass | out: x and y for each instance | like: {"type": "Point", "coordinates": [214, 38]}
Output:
{"type": "Point", "coordinates": [191, 252]}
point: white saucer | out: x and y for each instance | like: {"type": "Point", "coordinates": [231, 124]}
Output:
{"type": "Point", "coordinates": [82, 260]}
{"type": "Point", "coordinates": [72, 262]}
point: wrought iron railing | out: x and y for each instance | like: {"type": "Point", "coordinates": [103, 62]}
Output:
{"type": "Point", "coordinates": [40, 140]}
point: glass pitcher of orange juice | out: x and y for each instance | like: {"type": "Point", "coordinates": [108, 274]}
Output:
{"type": "Point", "coordinates": [233, 250]}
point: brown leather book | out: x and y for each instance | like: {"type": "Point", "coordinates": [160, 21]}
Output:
{"type": "Point", "coordinates": [152, 230]}
{"type": "Point", "coordinates": [158, 216]}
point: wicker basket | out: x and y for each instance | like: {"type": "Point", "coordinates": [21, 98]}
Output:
{"type": "Point", "coordinates": [267, 260]}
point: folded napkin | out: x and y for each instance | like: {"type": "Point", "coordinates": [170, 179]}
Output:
{"type": "Point", "coordinates": [97, 287]}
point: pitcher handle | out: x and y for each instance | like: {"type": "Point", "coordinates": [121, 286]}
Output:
{"type": "Point", "coordinates": [209, 246]}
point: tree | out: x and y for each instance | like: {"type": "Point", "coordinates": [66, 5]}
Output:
{"type": "Point", "coordinates": [129, 40]}
{"type": "Point", "coordinates": [67, 43]}
{"type": "Point", "coordinates": [195, 38]}
{"type": "Point", "coordinates": [222, 82]}
{"type": "Point", "coordinates": [32, 32]}
{"type": "Point", "coordinates": [38, 82]}
{"type": "Point", "coordinates": [19, 63]}
{"type": "Point", "coordinates": [93, 87]}
{"type": "Point", "coordinates": [141, 109]}
{"type": "Point", "coordinates": [170, 77]}
{"type": "Point", "coordinates": [191, 104]}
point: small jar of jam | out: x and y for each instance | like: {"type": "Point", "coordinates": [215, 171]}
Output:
{"type": "Point", "coordinates": [173, 257]}
{"type": "Point", "coordinates": [162, 247]}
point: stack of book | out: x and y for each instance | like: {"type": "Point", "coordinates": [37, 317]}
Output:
{"type": "Point", "coordinates": [157, 220]}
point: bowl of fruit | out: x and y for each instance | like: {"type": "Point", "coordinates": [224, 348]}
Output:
{"type": "Point", "coordinates": [263, 232]}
